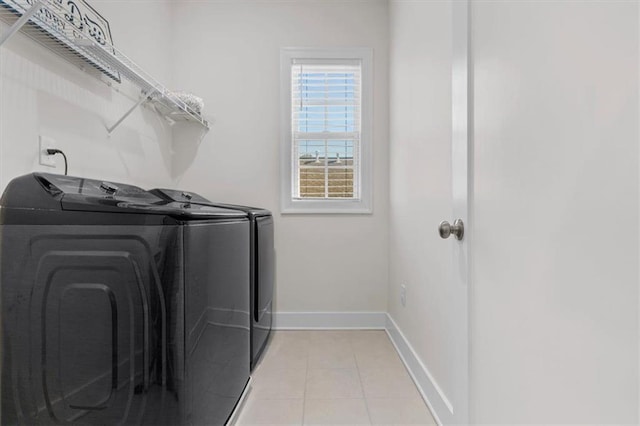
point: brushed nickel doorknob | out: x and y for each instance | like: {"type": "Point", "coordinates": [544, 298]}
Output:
{"type": "Point", "coordinates": [446, 229]}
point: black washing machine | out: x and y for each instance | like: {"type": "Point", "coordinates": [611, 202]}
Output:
{"type": "Point", "coordinates": [110, 312]}
{"type": "Point", "coordinates": [262, 264]}
{"type": "Point", "coordinates": [216, 311]}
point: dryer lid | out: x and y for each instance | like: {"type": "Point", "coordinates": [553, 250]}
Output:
{"type": "Point", "coordinates": [192, 197]}
{"type": "Point", "coordinates": [181, 196]}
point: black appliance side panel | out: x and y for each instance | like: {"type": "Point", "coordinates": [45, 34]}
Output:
{"type": "Point", "coordinates": [263, 284]}
{"type": "Point", "coordinates": [216, 319]}
{"type": "Point", "coordinates": [90, 333]}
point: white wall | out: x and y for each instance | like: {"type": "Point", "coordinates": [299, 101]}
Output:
{"type": "Point", "coordinates": [554, 318]}
{"type": "Point", "coordinates": [41, 94]}
{"type": "Point", "coordinates": [420, 188]}
{"type": "Point", "coordinates": [228, 52]}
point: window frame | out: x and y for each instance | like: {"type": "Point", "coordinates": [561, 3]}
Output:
{"type": "Point", "coordinates": [291, 205]}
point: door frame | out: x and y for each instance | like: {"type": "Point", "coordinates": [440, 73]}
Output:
{"type": "Point", "coordinates": [462, 190]}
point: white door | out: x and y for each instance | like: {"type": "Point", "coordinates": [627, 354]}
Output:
{"type": "Point", "coordinates": [554, 300]}
{"type": "Point", "coordinates": [429, 182]}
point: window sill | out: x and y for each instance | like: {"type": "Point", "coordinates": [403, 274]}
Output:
{"type": "Point", "coordinates": [325, 207]}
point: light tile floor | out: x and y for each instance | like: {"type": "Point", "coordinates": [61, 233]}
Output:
{"type": "Point", "coordinates": [332, 378]}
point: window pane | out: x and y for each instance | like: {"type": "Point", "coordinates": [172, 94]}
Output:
{"type": "Point", "coordinates": [312, 182]}
{"type": "Point", "coordinates": [340, 152]}
{"type": "Point", "coordinates": [340, 173]}
{"type": "Point", "coordinates": [341, 182]}
{"type": "Point", "coordinates": [325, 168]}
{"type": "Point", "coordinates": [311, 153]}
{"type": "Point", "coordinates": [311, 163]}
{"type": "Point", "coordinates": [326, 101]}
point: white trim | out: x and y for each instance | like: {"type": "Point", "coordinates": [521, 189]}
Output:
{"type": "Point", "coordinates": [433, 395]}
{"type": "Point", "coordinates": [462, 193]}
{"type": "Point", "coordinates": [329, 320]}
{"type": "Point", "coordinates": [365, 204]}
{"type": "Point", "coordinates": [638, 97]}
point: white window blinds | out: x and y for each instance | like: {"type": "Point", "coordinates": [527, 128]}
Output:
{"type": "Point", "coordinates": [326, 128]}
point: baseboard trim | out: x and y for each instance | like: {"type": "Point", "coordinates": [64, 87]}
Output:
{"type": "Point", "coordinates": [432, 394]}
{"type": "Point", "coordinates": [329, 320]}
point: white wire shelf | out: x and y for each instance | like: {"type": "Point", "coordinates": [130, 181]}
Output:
{"type": "Point", "coordinates": [47, 23]}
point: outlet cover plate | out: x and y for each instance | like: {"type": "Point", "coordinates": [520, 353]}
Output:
{"type": "Point", "coordinates": [46, 159]}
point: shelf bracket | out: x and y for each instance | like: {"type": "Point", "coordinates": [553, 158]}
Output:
{"type": "Point", "coordinates": [143, 98]}
{"type": "Point", "coordinates": [20, 22]}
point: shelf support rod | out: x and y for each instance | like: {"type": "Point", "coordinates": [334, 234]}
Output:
{"type": "Point", "coordinates": [143, 98]}
{"type": "Point", "coordinates": [20, 22]}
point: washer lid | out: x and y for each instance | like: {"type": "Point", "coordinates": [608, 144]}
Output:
{"type": "Point", "coordinates": [81, 194]}
{"type": "Point", "coordinates": [46, 191]}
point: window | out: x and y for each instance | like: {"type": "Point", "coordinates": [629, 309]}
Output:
{"type": "Point", "coordinates": [326, 130]}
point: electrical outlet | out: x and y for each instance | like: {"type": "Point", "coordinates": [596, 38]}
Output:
{"type": "Point", "coordinates": [46, 159]}
{"type": "Point", "coordinates": [403, 295]}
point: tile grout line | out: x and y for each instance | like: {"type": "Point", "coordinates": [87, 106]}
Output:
{"type": "Point", "coordinates": [364, 397]}
{"type": "Point", "coordinates": [307, 339]}
{"type": "Point", "coordinates": [306, 378]}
